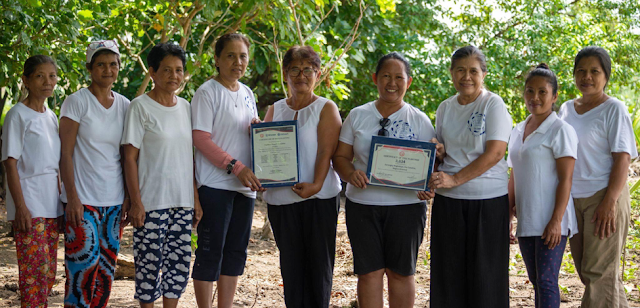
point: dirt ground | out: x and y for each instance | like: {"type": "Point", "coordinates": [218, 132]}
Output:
{"type": "Point", "coordinates": [261, 285]}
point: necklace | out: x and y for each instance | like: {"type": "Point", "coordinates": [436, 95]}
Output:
{"type": "Point", "coordinates": [235, 100]}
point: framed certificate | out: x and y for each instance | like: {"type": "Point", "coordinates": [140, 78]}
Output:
{"type": "Point", "coordinates": [400, 163]}
{"type": "Point", "coordinates": [274, 153]}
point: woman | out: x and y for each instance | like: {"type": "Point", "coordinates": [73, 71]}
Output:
{"type": "Point", "coordinates": [470, 227]}
{"type": "Point", "coordinates": [304, 217]}
{"type": "Point", "coordinates": [91, 125]}
{"type": "Point", "coordinates": [600, 191]}
{"type": "Point", "coordinates": [542, 152]}
{"type": "Point", "coordinates": [223, 109]}
{"type": "Point", "coordinates": [159, 173]}
{"type": "Point", "coordinates": [30, 153]}
{"type": "Point", "coordinates": [385, 225]}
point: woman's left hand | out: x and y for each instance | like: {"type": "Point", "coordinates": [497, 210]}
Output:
{"type": "Point", "coordinates": [605, 219]}
{"type": "Point", "coordinates": [442, 180]}
{"type": "Point", "coordinates": [552, 233]}
{"type": "Point", "coordinates": [306, 190]}
{"type": "Point", "coordinates": [440, 151]}
{"type": "Point", "coordinates": [197, 213]}
{"type": "Point", "coordinates": [426, 195]}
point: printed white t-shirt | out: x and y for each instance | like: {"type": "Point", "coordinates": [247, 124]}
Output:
{"type": "Point", "coordinates": [536, 177]}
{"type": "Point", "coordinates": [165, 161]}
{"type": "Point", "coordinates": [464, 130]}
{"type": "Point", "coordinates": [602, 130]}
{"type": "Point", "coordinates": [32, 139]}
{"type": "Point", "coordinates": [96, 156]}
{"type": "Point", "coordinates": [227, 117]}
{"type": "Point", "coordinates": [362, 123]}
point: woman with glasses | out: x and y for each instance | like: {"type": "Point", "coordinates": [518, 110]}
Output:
{"type": "Point", "coordinates": [470, 219]}
{"type": "Point", "coordinates": [91, 125]}
{"type": "Point", "coordinates": [30, 154]}
{"type": "Point", "coordinates": [385, 225]}
{"type": "Point", "coordinates": [222, 111]}
{"type": "Point", "coordinates": [304, 217]}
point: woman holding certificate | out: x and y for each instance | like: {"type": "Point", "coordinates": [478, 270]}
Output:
{"type": "Point", "coordinates": [470, 219]}
{"type": "Point", "coordinates": [600, 190]}
{"type": "Point", "coordinates": [385, 225]}
{"type": "Point", "coordinates": [304, 217]}
{"type": "Point", "coordinates": [222, 110]}
{"type": "Point", "coordinates": [542, 153]}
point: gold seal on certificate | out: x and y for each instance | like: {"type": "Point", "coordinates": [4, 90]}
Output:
{"type": "Point", "coordinates": [400, 163]}
{"type": "Point", "coordinates": [274, 153]}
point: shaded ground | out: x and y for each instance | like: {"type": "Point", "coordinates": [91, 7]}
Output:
{"type": "Point", "coordinates": [261, 285]}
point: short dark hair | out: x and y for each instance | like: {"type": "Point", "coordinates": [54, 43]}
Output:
{"type": "Point", "coordinates": [543, 70]}
{"type": "Point", "coordinates": [99, 53]}
{"type": "Point", "coordinates": [469, 51]}
{"type": "Point", "coordinates": [301, 53]}
{"type": "Point", "coordinates": [223, 40]}
{"type": "Point", "coordinates": [34, 61]}
{"type": "Point", "coordinates": [598, 52]}
{"type": "Point", "coordinates": [394, 56]}
{"type": "Point", "coordinates": [161, 51]}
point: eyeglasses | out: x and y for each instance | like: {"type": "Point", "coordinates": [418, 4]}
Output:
{"type": "Point", "coordinates": [384, 122]}
{"type": "Point", "coordinates": [295, 72]}
{"type": "Point", "coordinates": [104, 43]}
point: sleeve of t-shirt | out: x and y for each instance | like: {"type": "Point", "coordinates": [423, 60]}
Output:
{"type": "Point", "coordinates": [565, 143]}
{"type": "Point", "coordinates": [512, 138]}
{"type": "Point", "coordinates": [497, 120]}
{"type": "Point", "coordinates": [12, 136]}
{"type": "Point", "coordinates": [73, 108]}
{"type": "Point", "coordinates": [620, 134]}
{"type": "Point", "coordinates": [202, 111]}
{"type": "Point", "coordinates": [346, 133]}
{"type": "Point", "coordinates": [426, 132]}
{"type": "Point", "coordinates": [133, 126]}
{"type": "Point", "coordinates": [439, 113]}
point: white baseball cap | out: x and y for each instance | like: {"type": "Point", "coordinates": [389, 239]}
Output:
{"type": "Point", "coordinates": [101, 45]}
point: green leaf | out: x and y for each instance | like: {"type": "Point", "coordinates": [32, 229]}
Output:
{"type": "Point", "coordinates": [86, 14]}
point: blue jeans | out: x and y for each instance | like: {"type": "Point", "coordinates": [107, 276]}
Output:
{"type": "Point", "coordinates": [543, 266]}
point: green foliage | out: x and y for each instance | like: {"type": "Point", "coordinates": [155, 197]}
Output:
{"type": "Point", "coordinates": [350, 35]}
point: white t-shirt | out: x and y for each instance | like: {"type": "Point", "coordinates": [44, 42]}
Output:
{"type": "Point", "coordinates": [165, 160]}
{"type": "Point", "coordinates": [227, 117]}
{"type": "Point", "coordinates": [362, 123]}
{"type": "Point", "coordinates": [602, 130]}
{"type": "Point", "coordinates": [536, 176]}
{"type": "Point", "coordinates": [32, 138]}
{"type": "Point", "coordinates": [464, 130]}
{"type": "Point", "coordinates": [308, 120]}
{"type": "Point", "coordinates": [96, 156]}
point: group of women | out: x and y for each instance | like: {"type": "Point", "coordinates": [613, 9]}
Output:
{"type": "Point", "coordinates": [132, 162]}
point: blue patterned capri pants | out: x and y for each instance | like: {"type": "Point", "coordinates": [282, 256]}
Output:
{"type": "Point", "coordinates": [162, 252]}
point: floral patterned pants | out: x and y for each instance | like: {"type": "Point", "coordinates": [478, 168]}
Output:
{"type": "Point", "coordinates": [37, 251]}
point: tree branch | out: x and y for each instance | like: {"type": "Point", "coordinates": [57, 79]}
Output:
{"type": "Point", "coordinates": [320, 23]}
{"type": "Point", "coordinates": [297, 20]}
{"type": "Point", "coordinates": [346, 44]}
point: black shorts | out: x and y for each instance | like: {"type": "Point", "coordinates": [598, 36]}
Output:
{"type": "Point", "coordinates": [223, 233]}
{"type": "Point", "coordinates": [385, 236]}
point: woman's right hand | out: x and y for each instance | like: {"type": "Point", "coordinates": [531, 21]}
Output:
{"type": "Point", "coordinates": [358, 179]}
{"type": "Point", "coordinates": [136, 214]}
{"type": "Point", "coordinates": [22, 222]}
{"type": "Point", "coordinates": [248, 179]}
{"type": "Point", "coordinates": [74, 212]}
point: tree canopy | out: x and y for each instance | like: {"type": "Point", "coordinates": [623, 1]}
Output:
{"type": "Point", "coordinates": [350, 36]}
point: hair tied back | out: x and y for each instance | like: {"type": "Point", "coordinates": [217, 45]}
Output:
{"type": "Point", "coordinates": [543, 66]}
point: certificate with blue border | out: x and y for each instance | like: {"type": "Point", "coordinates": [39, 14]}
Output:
{"type": "Point", "coordinates": [400, 163]}
{"type": "Point", "coordinates": [274, 153]}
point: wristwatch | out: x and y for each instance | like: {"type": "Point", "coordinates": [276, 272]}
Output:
{"type": "Point", "coordinates": [230, 166]}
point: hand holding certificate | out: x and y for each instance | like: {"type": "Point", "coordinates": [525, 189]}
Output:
{"type": "Point", "coordinates": [400, 163]}
{"type": "Point", "coordinates": [274, 153]}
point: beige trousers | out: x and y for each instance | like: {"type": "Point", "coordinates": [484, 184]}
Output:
{"type": "Point", "coordinates": [598, 261]}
